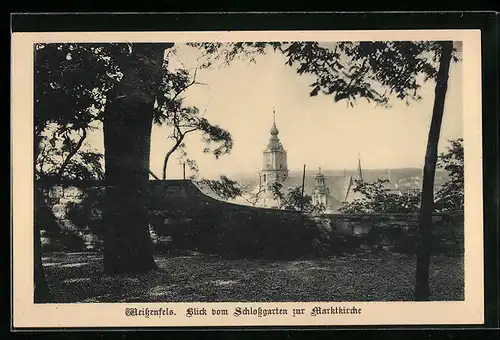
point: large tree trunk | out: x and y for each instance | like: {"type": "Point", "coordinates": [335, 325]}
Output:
{"type": "Point", "coordinates": [127, 139]}
{"type": "Point", "coordinates": [431, 155]}
{"type": "Point", "coordinates": [127, 134]}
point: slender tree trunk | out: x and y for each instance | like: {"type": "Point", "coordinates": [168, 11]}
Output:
{"type": "Point", "coordinates": [73, 152]}
{"type": "Point", "coordinates": [431, 155]}
{"type": "Point", "coordinates": [167, 156]}
{"type": "Point", "coordinates": [42, 292]}
{"type": "Point", "coordinates": [127, 138]}
{"type": "Point", "coordinates": [165, 162]}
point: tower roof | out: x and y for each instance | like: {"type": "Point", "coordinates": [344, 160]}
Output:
{"type": "Point", "coordinates": [274, 143]}
{"type": "Point", "coordinates": [360, 172]}
{"type": "Point", "coordinates": [274, 130]}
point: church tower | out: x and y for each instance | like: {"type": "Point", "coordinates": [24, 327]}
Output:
{"type": "Point", "coordinates": [275, 168]}
{"type": "Point", "coordinates": [350, 194]}
{"type": "Point", "coordinates": [360, 172]}
{"type": "Point", "coordinates": [321, 191]}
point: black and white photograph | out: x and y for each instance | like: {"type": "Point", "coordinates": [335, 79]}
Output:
{"type": "Point", "coordinates": [254, 171]}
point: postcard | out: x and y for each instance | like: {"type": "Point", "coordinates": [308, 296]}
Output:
{"type": "Point", "coordinates": [247, 178]}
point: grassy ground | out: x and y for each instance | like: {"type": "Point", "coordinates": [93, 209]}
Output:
{"type": "Point", "coordinates": [76, 277]}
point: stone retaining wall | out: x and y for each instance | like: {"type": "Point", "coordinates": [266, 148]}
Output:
{"type": "Point", "coordinates": [184, 217]}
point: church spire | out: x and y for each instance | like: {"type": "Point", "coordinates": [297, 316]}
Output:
{"type": "Point", "coordinates": [274, 130]}
{"type": "Point", "coordinates": [360, 172]}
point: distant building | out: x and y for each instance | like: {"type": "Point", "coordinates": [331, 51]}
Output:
{"type": "Point", "coordinates": [329, 188]}
{"type": "Point", "coordinates": [275, 167]}
{"type": "Point", "coordinates": [275, 170]}
{"type": "Point", "coordinates": [351, 183]}
{"type": "Point", "coordinates": [321, 191]}
{"type": "Point", "coordinates": [321, 195]}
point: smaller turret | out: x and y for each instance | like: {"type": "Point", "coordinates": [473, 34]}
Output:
{"type": "Point", "coordinates": [321, 191]}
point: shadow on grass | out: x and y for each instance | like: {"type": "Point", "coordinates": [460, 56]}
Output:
{"type": "Point", "coordinates": [77, 277]}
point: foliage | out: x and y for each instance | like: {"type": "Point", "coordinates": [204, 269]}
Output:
{"type": "Point", "coordinates": [115, 84]}
{"type": "Point", "coordinates": [294, 199]}
{"type": "Point", "coordinates": [184, 120]}
{"type": "Point", "coordinates": [251, 191]}
{"type": "Point", "coordinates": [188, 120]}
{"type": "Point", "coordinates": [228, 189]}
{"type": "Point", "coordinates": [371, 70]}
{"type": "Point", "coordinates": [68, 157]}
{"type": "Point", "coordinates": [70, 80]}
{"type": "Point", "coordinates": [276, 189]}
{"type": "Point", "coordinates": [377, 198]}
{"type": "Point", "coordinates": [73, 83]}
{"type": "Point", "coordinates": [450, 196]}
{"type": "Point", "coordinates": [224, 187]}
{"type": "Point", "coordinates": [87, 214]}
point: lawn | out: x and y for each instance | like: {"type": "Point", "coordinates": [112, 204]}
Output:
{"type": "Point", "coordinates": [77, 277]}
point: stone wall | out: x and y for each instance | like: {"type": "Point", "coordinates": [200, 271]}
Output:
{"type": "Point", "coordinates": [396, 231]}
{"type": "Point", "coordinates": [67, 233]}
{"type": "Point", "coordinates": [184, 218]}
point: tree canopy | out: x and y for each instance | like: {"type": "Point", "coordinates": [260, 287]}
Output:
{"type": "Point", "coordinates": [450, 196]}
{"type": "Point", "coordinates": [347, 70]}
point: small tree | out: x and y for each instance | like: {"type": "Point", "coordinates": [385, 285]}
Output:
{"type": "Point", "coordinates": [276, 189]}
{"type": "Point", "coordinates": [252, 192]}
{"type": "Point", "coordinates": [378, 198]}
{"type": "Point", "coordinates": [450, 197]}
{"type": "Point", "coordinates": [294, 199]}
{"type": "Point", "coordinates": [63, 154]}
{"type": "Point", "coordinates": [184, 120]}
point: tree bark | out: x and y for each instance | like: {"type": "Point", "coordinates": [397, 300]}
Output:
{"type": "Point", "coordinates": [427, 199]}
{"type": "Point", "coordinates": [127, 138]}
{"type": "Point", "coordinates": [42, 292]}
{"type": "Point", "coordinates": [165, 162]}
{"type": "Point", "coordinates": [167, 157]}
{"type": "Point", "coordinates": [127, 129]}
{"type": "Point", "coordinates": [178, 142]}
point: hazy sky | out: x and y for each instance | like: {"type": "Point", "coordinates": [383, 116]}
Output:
{"type": "Point", "coordinates": [314, 130]}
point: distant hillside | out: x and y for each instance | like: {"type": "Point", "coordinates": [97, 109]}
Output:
{"type": "Point", "coordinates": [369, 175]}
{"type": "Point", "coordinates": [337, 181]}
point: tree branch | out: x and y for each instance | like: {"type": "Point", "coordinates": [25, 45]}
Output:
{"type": "Point", "coordinates": [187, 85]}
{"type": "Point", "coordinates": [189, 131]}
{"type": "Point", "coordinates": [170, 152]}
{"type": "Point", "coordinates": [73, 152]}
{"type": "Point", "coordinates": [41, 156]}
{"type": "Point", "coordinates": [154, 176]}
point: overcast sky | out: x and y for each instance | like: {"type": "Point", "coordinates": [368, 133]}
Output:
{"type": "Point", "coordinates": [314, 130]}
